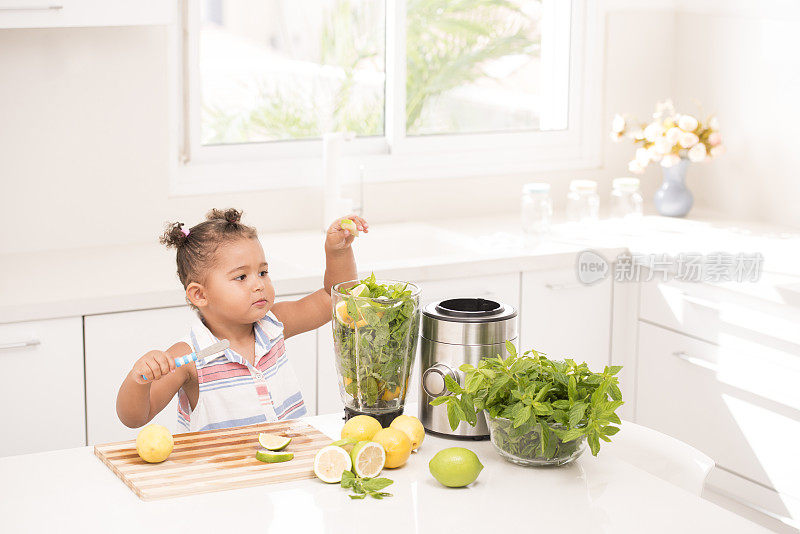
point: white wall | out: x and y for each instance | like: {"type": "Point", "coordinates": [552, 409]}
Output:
{"type": "Point", "coordinates": [84, 140]}
{"type": "Point", "coordinates": [742, 61]}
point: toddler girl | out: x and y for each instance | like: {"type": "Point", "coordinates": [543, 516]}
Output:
{"type": "Point", "coordinates": [222, 267]}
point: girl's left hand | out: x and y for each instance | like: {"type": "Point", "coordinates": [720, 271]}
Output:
{"type": "Point", "coordinates": [338, 238]}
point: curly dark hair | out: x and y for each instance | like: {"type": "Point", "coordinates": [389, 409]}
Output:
{"type": "Point", "coordinates": [196, 251]}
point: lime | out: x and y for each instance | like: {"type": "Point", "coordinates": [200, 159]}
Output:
{"type": "Point", "coordinates": [154, 443]}
{"type": "Point", "coordinates": [396, 444]}
{"type": "Point", "coordinates": [330, 462]}
{"type": "Point", "coordinates": [348, 224]}
{"type": "Point", "coordinates": [360, 428]}
{"type": "Point", "coordinates": [455, 467]}
{"type": "Point", "coordinates": [368, 459]}
{"type": "Point", "coordinates": [272, 457]}
{"type": "Point", "coordinates": [272, 442]}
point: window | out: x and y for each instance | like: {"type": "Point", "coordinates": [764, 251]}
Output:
{"type": "Point", "coordinates": [428, 88]}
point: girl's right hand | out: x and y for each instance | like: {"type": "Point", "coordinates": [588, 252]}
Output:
{"type": "Point", "coordinates": [153, 365]}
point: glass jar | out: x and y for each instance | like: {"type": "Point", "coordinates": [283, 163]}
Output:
{"type": "Point", "coordinates": [626, 199]}
{"type": "Point", "coordinates": [537, 208]}
{"type": "Point", "coordinates": [583, 203]}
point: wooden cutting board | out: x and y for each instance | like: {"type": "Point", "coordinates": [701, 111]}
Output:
{"type": "Point", "coordinates": [215, 460]}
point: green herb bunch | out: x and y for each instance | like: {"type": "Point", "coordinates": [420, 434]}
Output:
{"type": "Point", "coordinates": [548, 406]}
{"type": "Point", "coordinates": [365, 486]}
{"type": "Point", "coordinates": [375, 350]}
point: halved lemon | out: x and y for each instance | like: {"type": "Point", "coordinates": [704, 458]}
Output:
{"type": "Point", "coordinates": [330, 462]}
{"type": "Point", "coordinates": [272, 457]}
{"type": "Point", "coordinates": [271, 442]}
{"type": "Point", "coordinates": [368, 459]}
{"type": "Point", "coordinates": [343, 317]}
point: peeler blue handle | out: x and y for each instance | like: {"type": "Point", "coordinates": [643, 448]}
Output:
{"type": "Point", "coordinates": [182, 360]}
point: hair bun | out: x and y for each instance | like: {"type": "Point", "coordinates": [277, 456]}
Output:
{"type": "Point", "coordinates": [230, 215]}
{"type": "Point", "coordinates": [173, 236]}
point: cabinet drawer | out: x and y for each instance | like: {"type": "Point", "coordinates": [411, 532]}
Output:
{"type": "Point", "coordinates": [77, 13]}
{"type": "Point", "coordinates": [41, 387]}
{"type": "Point", "coordinates": [741, 407]}
{"type": "Point", "coordinates": [719, 316]}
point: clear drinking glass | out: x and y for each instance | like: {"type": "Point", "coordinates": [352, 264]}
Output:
{"type": "Point", "coordinates": [626, 199]}
{"type": "Point", "coordinates": [375, 352]}
{"type": "Point", "coordinates": [583, 203]}
{"type": "Point", "coordinates": [537, 208]}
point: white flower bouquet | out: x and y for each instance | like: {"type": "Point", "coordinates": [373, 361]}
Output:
{"type": "Point", "coordinates": [669, 137]}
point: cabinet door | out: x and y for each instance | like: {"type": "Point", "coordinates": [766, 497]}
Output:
{"type": "Point", "coordinates": [740, 406]}
{"type": "Point", "coordinates": [114, 342]}
{"type": "Point", "coordinates": [302, 352]}
{"type": "Point", "coordinates": [566, 319]}
{"type": "Point", "coordinates": [504, 288]}
{"type": "Point", "coordinates": [41, 386]}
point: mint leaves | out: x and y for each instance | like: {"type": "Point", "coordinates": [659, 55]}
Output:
{"type": "Point", "coordinates": [375, 357]}
{"type": "Point", "coordinates": [541, 408]}
{"type": "Point", "coordinates": [362, 487]}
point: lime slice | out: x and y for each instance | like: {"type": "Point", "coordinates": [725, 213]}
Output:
{"type": "Point", "coordinates": [330, 462]}
{"type": "Point", "coordinates": [368, 459]}
{"type": "Point", "coordinates": [272, 442]}
{"type": "Point", "coordinates": [358, 290]}
{"type": "Point", "coordinates": [272, 457]}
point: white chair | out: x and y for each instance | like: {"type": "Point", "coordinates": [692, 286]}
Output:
{"type": "Point", "coordinates": [660, 455]}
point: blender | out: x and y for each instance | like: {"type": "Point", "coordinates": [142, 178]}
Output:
{"type": "Point", "coordinates": [375, 332]}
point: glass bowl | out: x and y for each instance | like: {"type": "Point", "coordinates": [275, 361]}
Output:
{"type": "Point", "coordinates": [522, 445]}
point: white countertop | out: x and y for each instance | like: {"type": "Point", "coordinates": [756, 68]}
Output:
{"type": "Point", "coordinates": [66, 283]}
{"type": "Point", "coordinates": [72, 491]}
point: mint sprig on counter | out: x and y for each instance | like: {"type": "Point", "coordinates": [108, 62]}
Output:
{"type": "Point", "coordinates": [548, 404]}
{"type": "Point", "coordinates": [362, 487]}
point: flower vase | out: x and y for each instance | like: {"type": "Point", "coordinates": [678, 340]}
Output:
{"type": "Point", "coordinates": [673, 199]}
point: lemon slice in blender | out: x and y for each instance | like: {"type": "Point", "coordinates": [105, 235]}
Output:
{"type": "Point", "coordinates": [330, 462]}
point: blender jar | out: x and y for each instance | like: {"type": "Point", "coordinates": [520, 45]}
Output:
{"type": "Point", "coordinates": [375, 341]}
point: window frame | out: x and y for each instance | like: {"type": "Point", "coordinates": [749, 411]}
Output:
{"type": "Point", "coordinates": [293, 164]}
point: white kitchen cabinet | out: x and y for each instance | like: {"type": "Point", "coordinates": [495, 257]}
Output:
{"type": "Point", "coordinates": [84, 13]}
{"type": "Point", "coordinates": [302, 352]}
{"type": "Point", "coordinates": [741, 406]}
{"type": "Point", "coordinates": [41, 389]}
{"type": "Point", "coordinates": [503, 287]}
{"type": "Point", "coordinates": [114, 341]}
{"type": "Point", "coordinates": [564, 318]}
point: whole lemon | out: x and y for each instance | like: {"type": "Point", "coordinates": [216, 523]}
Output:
{"type": "Point", "coordinates": [396, 444]}
{"type": "Point", "coordinates": [360, 428]}
{"type": "Point", "coordinates": [455, 467]}
{"type": "Point", "coordinates": [412, 427]}
{"type": "Point", "coordinates": [154, 443]}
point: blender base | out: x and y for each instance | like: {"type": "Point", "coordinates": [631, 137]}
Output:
{"type": "Point", "coordinates": [385, 419]}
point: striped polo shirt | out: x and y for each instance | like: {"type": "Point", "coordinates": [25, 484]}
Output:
{"type": "Point", "coordinates": [235, 393]}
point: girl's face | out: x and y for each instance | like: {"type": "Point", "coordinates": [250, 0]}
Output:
{"type": "Point", "coordinates": [238, 287]}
